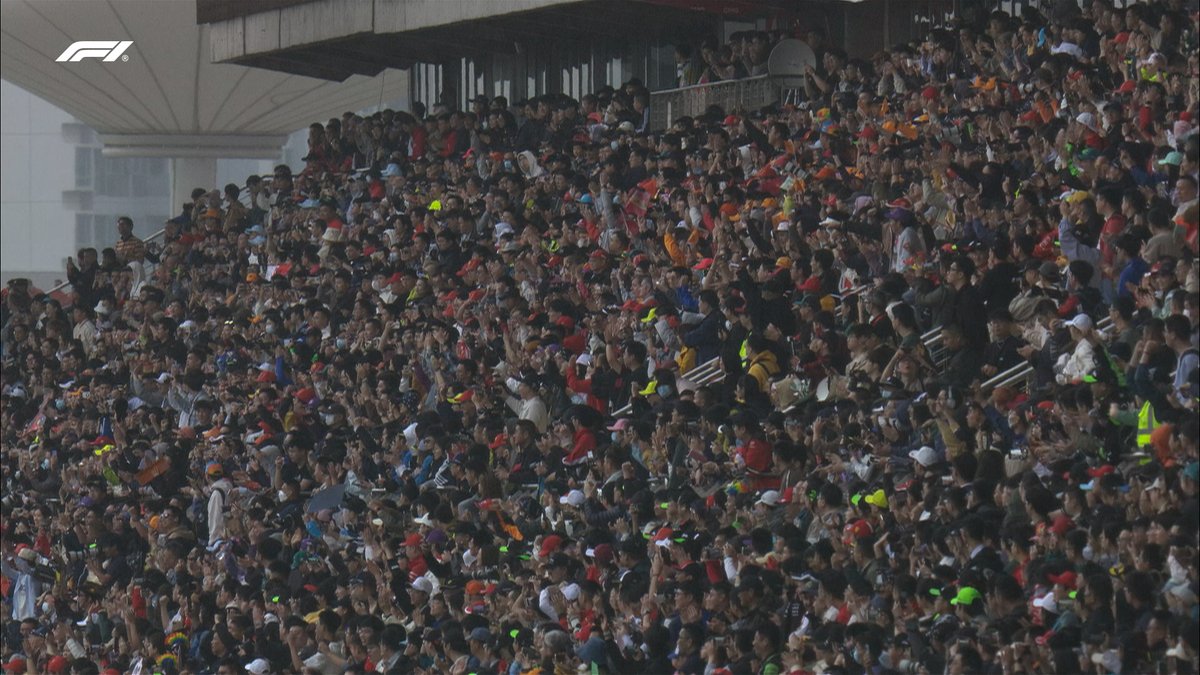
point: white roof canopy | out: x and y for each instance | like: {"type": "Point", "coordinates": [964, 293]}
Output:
{"type": "Point", "coordinates": [167, 86]}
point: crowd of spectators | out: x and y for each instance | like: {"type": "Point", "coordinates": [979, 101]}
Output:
{"type": "Point", "coordinates": [432, 404]}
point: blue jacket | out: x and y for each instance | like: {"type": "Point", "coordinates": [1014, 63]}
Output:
{"type": "Point", "coordinates": [705, 338]}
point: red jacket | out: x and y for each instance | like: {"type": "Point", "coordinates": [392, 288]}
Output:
{"type": "Point", "coordinates": [585, 443]}
{"type": "Point", "coordinates": [757, 454]}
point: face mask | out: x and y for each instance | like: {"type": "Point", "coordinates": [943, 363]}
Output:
{"type": "Point", "coordinates": [47, 608]}
{"type": "Point", "coordinates": [615, 436]}
{"type": "Point", "coordinates": [728, 324]}
{"type": "Point", "coordinates": [327, 418]}
{"type": "Point", "coordinates": [270, 328]}
{"type": "Point", "coordinates": [281, 496]}
{"type": "Point", "coordinates": [59, 404]}
{"type": "Point", "coordinates": [393, 256]}
{"type": "Point", "coordinates": [665, 391]}
{"type": "Point", "coordinates": [341, 343]}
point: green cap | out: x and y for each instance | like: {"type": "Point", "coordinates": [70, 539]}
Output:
{"type": "Point", "coordinates": [966, 595]}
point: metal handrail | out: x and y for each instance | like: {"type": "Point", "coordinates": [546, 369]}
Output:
{"type": "Point", "coordinates": [1023, 370]}
{"type": "Point", "coordinates": [712, 374]}
{"type": "Point", "coordinates": [64, 284]}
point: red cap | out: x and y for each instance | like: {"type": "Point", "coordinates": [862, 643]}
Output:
{"type": "Point", "coordinates": [58, 664]}
{"type": "Point", "coordinates": [1101, 471]}
{"type": "Point", "coordinates": [471, 264]}
{"type": "Point", "coordinates": [549, 545]}
{"type": "Point", "coordinates": [15, 665]}
{"type": "Point", "coordinates": [1061, 525]}
{"type": "Point", "coordinates": [663, 533]}
{"type": "Point", "coordinates": [1126, 87]}
{"type": "Point", "coordinates": [703, 264]}
{"type": "Point", "coordinates": [413, 539]}
{"type": "Point", "coordinates": [498, 441]}
{"type": "Point", "coordinates": [603, 554]}
{"type": "Point", "coordinates": [395, 278]}
{"type": "Point", "coordinates": [1066, 579]}
{"type": "Point", "coordinates": [929, 93]}
{"type": "Point", "coordinates": [265, 376]}
{"type": "Point", "coordinates": [574, 343]}
{"type": "Point", "coordinates": [306, 395]}
{"type": "Point", "coordinates": [730, 120]}
{"type": "Point", "coordinates": [477, 587]}
{"type": "Point", "coordinates": [1121, 38]}
{"type": "Point", "coordinates": [858, 528]}
{"type": "Point", "coordinates": [901, 203]}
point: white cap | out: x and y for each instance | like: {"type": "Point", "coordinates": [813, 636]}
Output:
{"type": "Point", "coordinates": [422, 584]}
{"type": "Point", "coordinates": [770, 498]}
{"type": "Point", "coordinates": [572, 498]}
{"type": "Point", "coordinates": [259, 667]}
{"type": "Point", "coordinates": [585, 359]}
{"type": "Point", "coordinates": [1047, 602]}
{"type": "Point", "coordinates": [925, 456]}
{"type": "Point", "coordinates": [1087, 119]}
{"type": "Point", "coordinates": [571, 592]}
{"type": "Point", "coordinates": [1082, 322]}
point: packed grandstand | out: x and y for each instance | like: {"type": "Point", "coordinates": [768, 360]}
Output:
{"type": "Point", "coordinates": [900, 377]}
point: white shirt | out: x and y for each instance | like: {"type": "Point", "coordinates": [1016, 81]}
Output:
{"type": "Point", "coordinates": [532, 409]}
{"type": "Point", "coordinates": [908, 245]}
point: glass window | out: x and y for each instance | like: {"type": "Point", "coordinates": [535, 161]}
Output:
{"type": "Point", "coordinates": [83, 168]}
{"type": "Point", "coordinates": [83, 230]}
